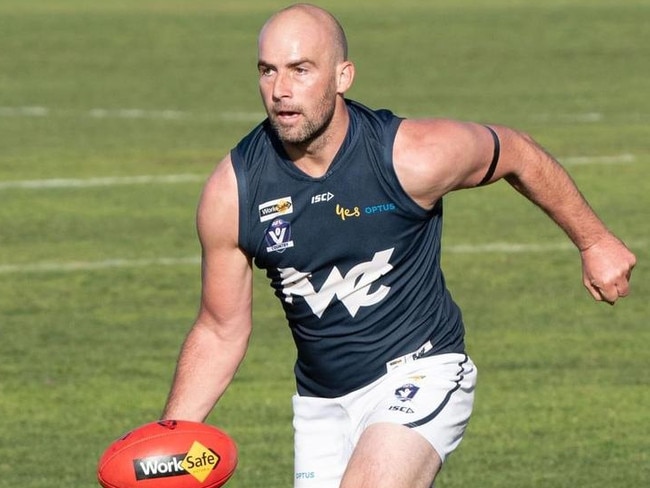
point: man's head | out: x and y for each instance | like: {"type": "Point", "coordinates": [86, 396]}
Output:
{"type": "Point", "coordinates": [304, 71]}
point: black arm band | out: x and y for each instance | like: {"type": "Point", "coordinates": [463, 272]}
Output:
{"type": "Point", "coordinates": [495, 157]}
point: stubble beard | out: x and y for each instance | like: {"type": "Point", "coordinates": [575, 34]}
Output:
{"type": "Point", "coordinates": [312, 127]}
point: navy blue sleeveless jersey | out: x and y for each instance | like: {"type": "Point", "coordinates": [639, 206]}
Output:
{"type": "Point", "coordinates": [353, 259]}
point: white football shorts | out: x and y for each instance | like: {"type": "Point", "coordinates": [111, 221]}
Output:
{"type": "Point", "coordinates": [432, 395]}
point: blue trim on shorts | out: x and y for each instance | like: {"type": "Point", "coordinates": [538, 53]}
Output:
{"type": "Point", "coordinates": [444, 403]}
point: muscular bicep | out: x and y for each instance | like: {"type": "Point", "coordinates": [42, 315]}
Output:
{"type": "Point", "coordinates": [436, 156]}
{"type": "Point", "coordinates": [226, 270]}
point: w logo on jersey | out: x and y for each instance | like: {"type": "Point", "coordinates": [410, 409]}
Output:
{"type": "Point", "coordinates": [352, 290]}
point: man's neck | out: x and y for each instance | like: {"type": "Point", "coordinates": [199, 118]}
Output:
{"type": "Point", "coordinates": [315, 157]}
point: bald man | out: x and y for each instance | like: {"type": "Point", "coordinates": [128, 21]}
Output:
{"type": "Point", "coordinates": [342, 206]}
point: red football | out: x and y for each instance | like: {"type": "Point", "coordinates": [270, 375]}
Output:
{"type": "Point", "coordinates": [169, 454]}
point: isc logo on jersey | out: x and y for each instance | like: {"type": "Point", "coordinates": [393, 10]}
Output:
{"type": "Point", "coordinates": [323, 197]}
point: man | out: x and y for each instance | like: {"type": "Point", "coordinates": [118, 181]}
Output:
{"type": "Point", "coordinates": [342, 206]}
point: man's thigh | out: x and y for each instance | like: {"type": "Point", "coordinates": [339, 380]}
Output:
{"type": "Point", "coordinates": [391, 456]}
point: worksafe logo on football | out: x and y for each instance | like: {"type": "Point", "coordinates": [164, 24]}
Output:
{"type": "Point", "coordinates": [198, 462]}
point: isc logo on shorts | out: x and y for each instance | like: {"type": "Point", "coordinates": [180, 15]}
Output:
{"type": "Point", "coordinates": [401, 408]}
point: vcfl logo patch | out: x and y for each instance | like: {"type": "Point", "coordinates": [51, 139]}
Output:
{"type": "Point", "coordinates": [406, 392]}
{"type": "Point", "coordinates": [352, 290]}
{"type": "Point", "coordinates": [278, 236]}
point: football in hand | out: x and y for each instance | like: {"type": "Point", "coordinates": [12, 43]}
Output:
{"type": "Point", "coordinates": [169, 454]}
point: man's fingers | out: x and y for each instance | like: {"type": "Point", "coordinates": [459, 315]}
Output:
{"type": "Point", "coordinates": [602, 293]}
{"type": "Point", "coordinates": [607, 269]}
{"type": "Point", "coordinates": [623, 288]}
{"type": "Point", "coordinates": [609, 293]}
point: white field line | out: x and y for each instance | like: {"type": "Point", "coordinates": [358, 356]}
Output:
{"type": "Point", "coordinates": [583, 160]}
{"type": "Point", "coordinates": [67, 266]}
{"type": "Point", "coordinates": [72, 266]}
{"type": "Point", "coordinates": [131, 113]}
{"type": "Point", "coordinates": [507, 248]}
{"type": "Point", "coordinates": [241, 116]}
{"type": "Point", "coordinates": [75, 266]}
{"type": "Point", "coordinates": [192, 178]}
{"type": "Point", "coordinates": [587, 117]}
{"type": "Point", "coordinates": [102, 181]}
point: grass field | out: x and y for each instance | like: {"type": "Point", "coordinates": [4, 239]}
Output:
{"type": "Point", "coordinates": [113, 113]}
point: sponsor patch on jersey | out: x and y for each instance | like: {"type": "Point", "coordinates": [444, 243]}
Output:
{"type": "Point", "coordinates": [278, 236]}
{"type": "Point", "coordinates": [346, 213]}
{"type": "Point", "coordinates": [381, 208]}
{"type": "Point", "coordinates": [275, 208]}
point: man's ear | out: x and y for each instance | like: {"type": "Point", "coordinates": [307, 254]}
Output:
{"type": "Point", "coordinates": [345, 76]}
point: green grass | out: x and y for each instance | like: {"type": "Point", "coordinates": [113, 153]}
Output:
{"type": "Point", "coordinates": [162, 87]}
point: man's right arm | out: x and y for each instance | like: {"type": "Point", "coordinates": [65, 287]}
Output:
{"type": "Point", "coordinates": [217, 342]}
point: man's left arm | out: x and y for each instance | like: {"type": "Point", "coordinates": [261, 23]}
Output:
{"type": "Point", "coordinates": [436, 156]}
{"type": "Point", "coordinates": [607, 263]}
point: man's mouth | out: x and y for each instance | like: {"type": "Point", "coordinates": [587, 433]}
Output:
{"type": "Point", "coordinates": [287, 115]}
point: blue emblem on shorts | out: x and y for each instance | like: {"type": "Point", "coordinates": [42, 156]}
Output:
{"type": "Point", "coordinates": [278, 236]}
{"type": "Point", "coordinates": [406, 392]}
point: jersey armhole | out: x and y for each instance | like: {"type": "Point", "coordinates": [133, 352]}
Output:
{"type": "Point", "coordinates": [242, 194]}
{"type": "Point", "coordinates": [390, 175]}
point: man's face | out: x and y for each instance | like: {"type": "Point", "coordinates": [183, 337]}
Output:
{"type": "Point", "coordinates": [297, 80]}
